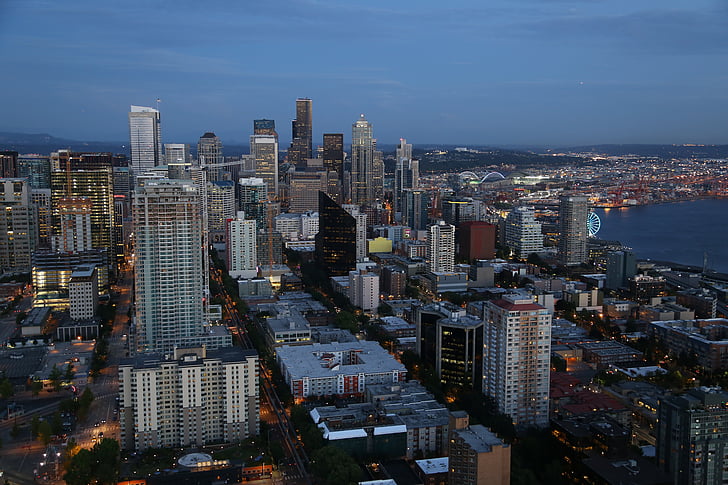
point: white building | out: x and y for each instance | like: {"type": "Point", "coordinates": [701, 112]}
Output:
{"type": "Point", "coordinates": [441, 248]}
{"type": "Point", "coordinates": [516, 360]}
{"type": "Point", "coordinates": [364, 289]}
{"type": "Point", "coordinates": [523, 232]}
{"type": "Point", "coordinates": [195, 399]}
{"type": "Point", "coordinates": [83, 293]}
{"type": "Point", "coordinates": [220, 208]}
{"type": "Point", "coordinates": [361, 229]}
{"type": "Point", "coordinates": [241, 247]}
{"type": "Point", "coordinates": [145, 139]}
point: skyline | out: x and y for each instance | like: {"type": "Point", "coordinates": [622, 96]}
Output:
{"type": "Point", "coordinates": [530, 72]}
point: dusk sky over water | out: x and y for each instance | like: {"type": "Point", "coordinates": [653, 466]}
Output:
{"type": "Point", "coordinates": [530, 72]}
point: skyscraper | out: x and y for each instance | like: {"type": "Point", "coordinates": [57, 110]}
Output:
{"type": "Point", "coordinates": [361, 229]}
{"type": "Point", "coordinates": [209, 149]}
{"type": "Point", "coordinates": [441, 247]}
{"type": "Point", "coordinates": [37, 169]}
{"type": "Point", "coordinates": [517, 358]}
{"type": "Point", "coordinates": [406, 173]}
{"type": "Point", "coordinates": [251, 196]}
{"type": "Point", "coordinates": [523, 233]}
{"type": "Point", "coordinates": [75, 225]}
{"type": "Point", "coordinates": [265, 127]}
{"type": "Point", "coordinates": [265, 150]}
{"type": "Point", "coordinates": [414, 208]}
{"type": "Point", "coordinates": [573, 212]}
{"type": "Point", "coordinates": [145, 138]}
{"type": "Point", "coordinates": [363, 176]}
{"type": "Point", "coordinates": [302, 131]}
{"type": "Point", "coordinates": [18, 226]}
{"type": "Point", "coordinates": [177, 153]}
{"type": "Point", "coordinates": [169, 268]}
{"type": "Point", "coordinates": [241, 247]}
{"type": "Point", "coordinates": [336, 239]}
{"type": "Point", "coordinates": [333, 155]}
{"type": "Point", "coordinates": [220, 208]}
{"type": "Point", "coordinates": [477, 240]}
{"type": "Point", "coordinates": [621, 266]}
{"type": "Point", "coordinates": [692, 436]}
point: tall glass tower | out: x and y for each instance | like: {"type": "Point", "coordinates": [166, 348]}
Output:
{"type": "Point", "coordinates": [362, 162]}
{"type": "Point", "coordinates": [302, 130]}
{"type": "Point", "coordinates": [145, 138]}
{"type": "Point", "coordinates": [573, 212]}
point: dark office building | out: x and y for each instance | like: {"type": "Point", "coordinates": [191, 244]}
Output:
{"type": "Point", "coordinates": [393, 281]}
{"type": "Point", "coordinates": [334, 153]}
{"type": "Point", "coordinates": [336, 239]}
{"type": "Point", "coordinates": [460, 351]}
{"type": "Point", "coordinates": [692, 436]}
{"type": "Point", "coordinates": [302, 130]}
{"type": "Point", "coordinates": [67, 160]}
{"type": "Point", "coordinates": [415, 206]}
{"type": "Point", "coordinates": [8, 164]}
{"type": "Point", "coordinates": [476, 240]}
{"type": "Point", "coordinates": [264, 127]}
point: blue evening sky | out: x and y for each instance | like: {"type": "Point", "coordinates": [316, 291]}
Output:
{"type": "Point", "coordinates": [463, 72]}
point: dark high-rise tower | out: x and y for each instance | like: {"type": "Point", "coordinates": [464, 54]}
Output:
{"type": "Point", "coordinates": [209, 149]}
{"type": "Point", "coordinates": [573, 212]}
{"type": "Point", "coordinates": [336, 239]}
{"type": "Point", "coordinates": [302, 128]}
{"type": "Point", "coordinates": [264, 127]}
{"type": "Point", "coordinates": [333, 155]}
{"type": "Point", "coordinates": [8, 164]}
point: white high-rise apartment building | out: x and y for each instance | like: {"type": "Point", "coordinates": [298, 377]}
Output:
{"type": "Point", "coordinates": [265, 150]}
{"type": "Point", "coordinates": [361, 229]}
{"type": "Point", "coordinates": [516, 360]}
{"type": "Point", "coordinates": [145, 139]}
{"type": "Point", "coordinates": [364, 289]}
{"type": "Point", "coordinates": [523, 232]}
{"type": "Point", "coordinates": [197, 398]}
{"type": "Point", "coordinates": [441, 247]}
{"type": "Point", "coordinates": [242, 252]}
{"type": "Point", "coordinates": [18, 226]}
{"type": "Point", "coordinates": [169, 273]}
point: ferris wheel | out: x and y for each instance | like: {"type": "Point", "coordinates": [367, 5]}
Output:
{"type": "Point", "coordinates": [593, 224]}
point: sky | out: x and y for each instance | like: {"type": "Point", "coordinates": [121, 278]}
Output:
{"type": "Point", "coordinates": [496, 72]}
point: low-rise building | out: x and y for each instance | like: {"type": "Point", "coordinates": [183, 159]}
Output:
{"type": "Point", "coordinates": [345, 368]}
{"type": "Point", "coordinates": [476, 455]}
{"type": "Point", "coordinates": [706, 340]}
{"type": "Point", "coordinates": [609, 352]}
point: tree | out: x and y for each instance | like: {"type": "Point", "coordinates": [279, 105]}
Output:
{"type": "Point", "coordinates": [333, 466]}
{"type": "Point", "coordinates": [55, 377]}
{"type": "Point", "coordinates": [34, 427]}
{"type": "Point", "coordinates": [347, 321]}
{"type": "Point", "coordinates": [80, 468]}
{"type": "Point", "coordinates": [15, 431]}
{"type": "Point", "coordinates": [45, 432]}
{"type": "Point", "coordinates": [36, 387]}
{"type": "Point", "coordinates": [6, 388]}
{"type": "Point", "coordinates": [69, 374]}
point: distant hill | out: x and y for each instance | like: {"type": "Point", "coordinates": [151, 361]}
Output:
{"type": "Point", "coordinates": [44, 143]}
{"type": "Point", "coordinates": [660, 151]}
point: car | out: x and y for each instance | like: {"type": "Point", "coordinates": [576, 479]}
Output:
{"type": "Point", "coordinates": [103, 421]}
{"type": "Point", "coordinates": [101, 434]}
{"type": "Point", "coordinates": [97, 424]}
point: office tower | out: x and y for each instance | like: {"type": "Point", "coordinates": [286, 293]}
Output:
{"type": "Point", "coordinates": [52, 272]}
{"type": "Point", "coordinates": [242, 257]}
{"type": "Point", "coordinates": [414, 208]}
{"type": "Point", "coordinates": [67, 160]}
{"type": "Point", "coordinates": [170, 268]}
{"type": "Point", "coordinates": [302, 131]}
{"type": "Point", "coordinates": [476, 455]}
{"type": "Point", "coordinates": [83, 293]}
{"type": "Point", "coordinates": [406, 173]}
{"type": "Point", "coordinates": [265, 150]}
{"type": "Point", "coordinates": [456, 210]}
{"type": "Point", "coordinates": [361, 229]}
{"type": "Point", "coordinates": [517, 358]}
{"type": "Point", "coordinates": [477, 240]}
{"type": "Point", "coordinates": [333, 159]}
{"type": "Point", "coordinates": [96, 185]}
{"type": "Point", "coordinates": [41, 199]}
{"type": "Point", "coordinates": [363, 147]}
{"type": "Point", "coordinates": [304, 189]}
{"type": "Point", "coordinates": [364, 290]}
{"type": "Point", "coordinates": [177, 153]}
{"type": "Point", "coordinates": [523, 233]}
{"type": "Point", "coordinates": [18, 226]}
{"type": "Point", "coordinates": [621, 266]}
{"type": "Point", "coordinates": [459, 348]}
{"type": "Point", "coordinates": [441, 248]}
{"type": "Point", "coordinates": [692, 436]}
{"type": "Point", "coordinates": [220, 208]}
{"type": "Point", "coordinates": [122, 228]}
{"type": "Point", "coordinates": [145, 139]}
{"type": "Point", "coordinates": [573, 213]}
{"type": "Point", "coordinates": [122, 181]}
{"type": "Point", "coordinates": [265, 127]}
{"type": "Point", "coordinates": [195, 398]}
{"type": "Point", "coordinates": [269, 247]}
{"type": "Point", "coordinates": [209, 149]}
{"type": "Point", "coordinates": [74, 234]}
{"type": "Point", "coordinates": [251, 197]}
{"type": "Point", "coordinates": [8, 164]}
{"type": "Point", "coordinates": [37, 169]}
{"type": "Point", "coordinates": [336, 243]}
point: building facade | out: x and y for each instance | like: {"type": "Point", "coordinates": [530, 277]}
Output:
{"type": "Point", "coordinates": [18, 226]}
{"type": "Point", "coordinates": [573, 213]}
{"type": "Point", "coordinates": [441, 248]}
{"type": "Point", "coordinates": [145, 139]}
{"type": "Point", "coordinates": [517, 358]}
{"type": "Point", "coordinates": [523, 233]}
{"type": "Point", "coordinates": [196, 398]}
